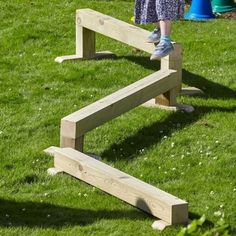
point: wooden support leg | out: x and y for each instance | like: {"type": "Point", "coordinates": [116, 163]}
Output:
{"type": "Point", "coordinates": [85, 45]}
{"type": "Point", "coordinates": [76, 144]}
{"type": "Point", "coordinates": [174, 62]}
{"type": "Point", "coordinates": [167, 99]}
{"type": "Point", "coordinates": [85, 42]}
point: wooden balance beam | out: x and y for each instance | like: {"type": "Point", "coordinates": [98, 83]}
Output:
{"type": "Point", "coordinates": [121, 185]}
{"type": "Point", "coordinates": [88, 22]}
{"type": "Point", "coordinates": [75, 125]}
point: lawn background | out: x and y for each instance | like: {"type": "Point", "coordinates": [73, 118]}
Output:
{"type": "Point", "coordinates": [191, 156]}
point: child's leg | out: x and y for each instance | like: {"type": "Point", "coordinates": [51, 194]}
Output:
{"type": "Point", "coordinates": [155, 36]}
{"type": "Point", "coordinates": [165, 46]}
{"type": "Point", "coordinates": [165, 26]}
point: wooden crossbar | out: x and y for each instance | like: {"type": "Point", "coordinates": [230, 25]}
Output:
{"type": "Point", "coordinates": [89, 22]}
{"type": "Point", "coordinates": [114, 28]}
{"type": "Point", "coordinates": [78, 123]}
{"type": "Point", "coordinates": [121, 185]}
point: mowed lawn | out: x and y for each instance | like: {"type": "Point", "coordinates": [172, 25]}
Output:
{"type": "Point", "coordinates": [190, 155]}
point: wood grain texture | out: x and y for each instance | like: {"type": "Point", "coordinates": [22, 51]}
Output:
{"type": "Point", "coordinates": [116, 29]}
{"type": "Point", "coordinates": [85, 42]}
{"type": "Point", "coordinates": [121, 185]}
{"type": "Point", "coordinates": [105, 109]}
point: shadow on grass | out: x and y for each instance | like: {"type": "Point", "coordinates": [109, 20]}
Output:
{"type": "Point", "coordinates": [194, 216]}
{"type": "Point", "coordinates": [45, 215]}
{"type": "Point", "coordinates": [143, 61]}
{"type": "Point", "coordinates": [150, 135]}
{"type": "Point", "coordinates": [210, 88]}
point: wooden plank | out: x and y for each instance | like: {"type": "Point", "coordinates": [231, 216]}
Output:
{"type": "Point", "coordinates": [121, 185]}
{"type": "Point", "coordinates": [98, 55]}
{"type": "Point", "coordinates": [84, 120]}
{"type": "Point", "coordinates": [191, 91]}
{"type": "Point", "coordinates": [116, 29]}
{"type": "Point", "coordinates": [50, 151]}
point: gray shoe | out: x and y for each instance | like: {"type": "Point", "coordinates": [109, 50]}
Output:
{"type": "Point", "coordinates": [155, 36]}
{"type": "Point", "coordinates": [162, 49]}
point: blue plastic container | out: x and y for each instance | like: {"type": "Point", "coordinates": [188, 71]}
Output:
{"type": "Point", "coordinates": [200, 10]}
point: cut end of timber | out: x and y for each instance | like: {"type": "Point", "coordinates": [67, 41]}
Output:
{"type": "Point", "coordinates": [53, 171]}
{"type": "Point", "coordinates": [51, 150]}
{"type": "Point", "coordinates": [179, 107]}
{"type": "Point", "coordinates": [67, 58]}
{"type": "Point", "coordinates": [160, 225]}
{"type": "Point", "coordinates": [98, 55]}
{"type": "Point", "coordinates": [191, 91]}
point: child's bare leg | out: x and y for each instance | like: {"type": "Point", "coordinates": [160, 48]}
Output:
{"type": "Point", "coordinates": [165, 26]}
{"type": "Point", "coordinates": [165, 46]}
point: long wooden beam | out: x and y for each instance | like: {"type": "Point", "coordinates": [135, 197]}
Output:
{"type": "Point", "coordinates": [114, 28]}
{"type": "Point", "coordinates": [121, 185]}
{"type": "Point", "coordinates": [88, 22]}
{"type": "Point", "coordinates": [78, 123]}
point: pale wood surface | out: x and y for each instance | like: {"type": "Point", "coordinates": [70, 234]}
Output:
{"type": "Point", "coordinates": [132, 190]}
{"type": "Point", "coordinates": [191, 91]}
{"type": "Point", "coordinates": [85, 42]}
{"type": "Point", "coordinates": [98, 55]}
{"type": "Point", "coordinates": [159, 225]}
{"type": "Point", "coordinates": [75, 143]}
{"type": "Point", "coordinates": [87, 118]}
{"type": "Point", "coordinates": [173, 62]}
{"type": "Point", "coordinates": [116, 29]}
{"type": "Point", "coordinates": [178, 107]}
{"type": "Point", "coordinates": [50, 151]}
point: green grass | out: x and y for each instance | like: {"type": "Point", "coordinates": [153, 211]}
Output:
{"type": "Point", "coordinates": [191, 156]}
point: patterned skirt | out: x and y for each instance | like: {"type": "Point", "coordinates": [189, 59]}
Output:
{"type": "Point", "coordinates": [152, 11]}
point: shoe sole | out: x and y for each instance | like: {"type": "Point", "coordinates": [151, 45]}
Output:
{"type": "Point", "coordinates": [157, 41]}
{"type": "Point", "coordinates": [154, 57]}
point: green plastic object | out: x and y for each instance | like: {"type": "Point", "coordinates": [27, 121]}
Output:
{"type": "Point", "coordinates": [221, 6]}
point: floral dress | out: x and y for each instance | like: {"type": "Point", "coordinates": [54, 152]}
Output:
{"type": "Point", "coordinates": [152, 11]}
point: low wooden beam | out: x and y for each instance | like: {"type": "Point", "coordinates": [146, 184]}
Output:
{"type": "Point", "coordinates": [88, 22]}
{"type": "Point", "coordinates": [114, 28]}
{"type": "Point", "coordinates": [121, 185]}
{"type": "Point", "coordinates": [78, 123]}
